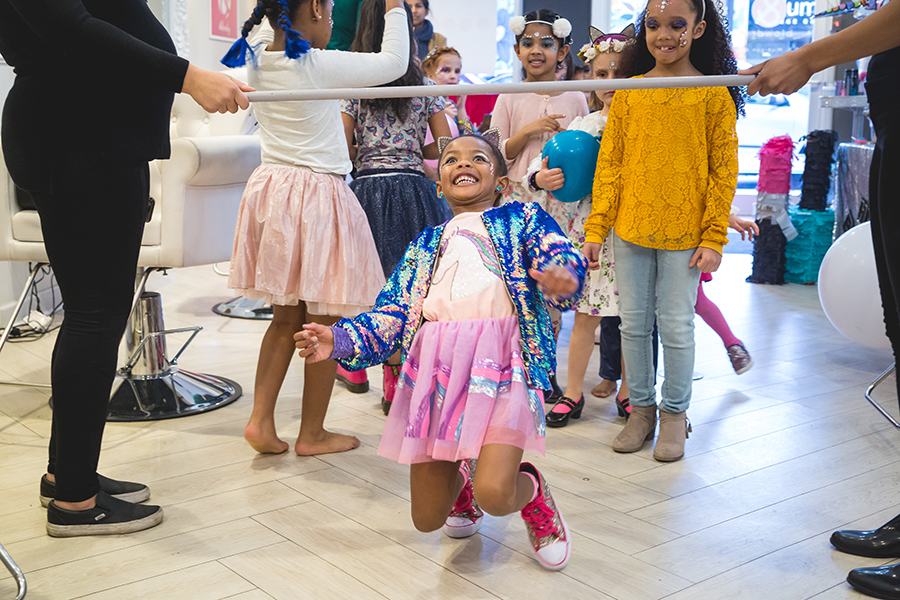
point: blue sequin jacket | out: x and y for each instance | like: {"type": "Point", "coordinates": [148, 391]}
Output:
{"type": "Point", "coordinates": [524, 237]}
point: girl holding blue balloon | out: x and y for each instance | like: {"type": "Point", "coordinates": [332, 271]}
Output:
{"type": "Point", "coordinates": [665, 180]}
{"type": "Point", "coordinates": [566, 170]}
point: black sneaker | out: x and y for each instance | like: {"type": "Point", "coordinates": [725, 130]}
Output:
{"type": "Point", "coordinates": [123, 490]}
{"type": "Point", "coordinates": [109, 517]}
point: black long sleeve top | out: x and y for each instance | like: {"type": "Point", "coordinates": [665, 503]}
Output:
{"type": "Point", "coordinates": [91, 75]}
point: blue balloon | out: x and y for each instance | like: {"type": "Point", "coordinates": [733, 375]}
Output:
{"type": "Point", "coordinates": [575, 152]}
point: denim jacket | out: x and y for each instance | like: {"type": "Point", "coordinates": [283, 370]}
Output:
{"type": "Point", "coordinates": [524, 237]}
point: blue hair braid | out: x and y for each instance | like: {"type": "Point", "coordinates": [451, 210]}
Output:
{"type": "Point", "coordinates": [294, 43]}
{"type": "Point", "coordinates": [237, 54]}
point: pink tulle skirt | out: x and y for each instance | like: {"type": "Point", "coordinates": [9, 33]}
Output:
{"type": "Point", "coordinates": [463, 386]}
{"type": "Point", "coordinates": [302, 235]}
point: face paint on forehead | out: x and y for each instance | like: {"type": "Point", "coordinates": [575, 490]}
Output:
{"type": "Point", "coordinates": [661, 5]}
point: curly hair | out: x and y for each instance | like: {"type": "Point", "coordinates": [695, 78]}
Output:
{"type": "Point", "coordinates": [369, 35]}
{"type": "Point", "coordinates": [431, 61]}
{"type": "Point", "coordinates": [711, 53]}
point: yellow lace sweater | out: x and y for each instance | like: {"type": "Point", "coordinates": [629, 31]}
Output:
{"type": "Point", "coordinates": [667, 169]}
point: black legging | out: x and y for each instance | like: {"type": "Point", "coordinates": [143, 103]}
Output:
{"type": "Point", "coordinates": [92, 225]}
{"type": "Point", "coordinates": [884, 194]}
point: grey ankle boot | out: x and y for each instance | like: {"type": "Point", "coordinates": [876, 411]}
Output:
{"type": "Point", "coordinates": [639, 428]}
{"type": "Point", "coordinates": [673, 431]}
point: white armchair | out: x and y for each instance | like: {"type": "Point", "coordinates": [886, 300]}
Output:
{"type": "Point", "coordinates": [197, 194]}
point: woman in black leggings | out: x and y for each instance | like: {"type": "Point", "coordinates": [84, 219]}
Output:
{"type": "Point", "coordinates": [89, 108]}
{"type": "Point", "coordinates": [877, 34]}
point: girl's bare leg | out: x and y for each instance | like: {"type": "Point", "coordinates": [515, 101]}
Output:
{"type": "Point", "coordinates": [434, 487]}
{"type": "Point", "coordinates": [318, 382]}
{"type": "Point", "coordinates": [581, 345]}
{"type": "Point", "coordinates": [275, 356]}
{"type": "Point", "coordinates": [500, 489]}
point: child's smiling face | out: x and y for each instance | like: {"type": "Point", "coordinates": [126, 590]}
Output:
{"type": "Point", "coordinates": [672, 25]}
{"type": "Point", "coordinates": [469, 175]}
{"type": "Point", "coordinates": [539, 52]}
{"type": "Point", "coordinates": [447, 70]}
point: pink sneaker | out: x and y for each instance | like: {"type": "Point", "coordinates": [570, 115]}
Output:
{"type": "Point", "coordinates": [465, 518]}
{"type": "Point", "coordinates": [356, 381]}
{"type": "Point", "coordinates": [546, 528]}
{"type": "Point", "coordinates": [391, 377]}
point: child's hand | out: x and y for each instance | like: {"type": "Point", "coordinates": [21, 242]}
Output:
{"type": "Point", "coordinates": [451, 110]}
{"type": "Point", "coordinates": [556, 281]}
{"type": "Point", "coordinates": [549, 179]}
{"type": "Point", "coordinates": [315, 342]}
{"type": "Point", "coordinates": [591, 252]}
{"type": "Point", "coordinates": [705, 259]}
{"type": "Point", "coordinates": [748, 228]}
{"type": "Point", "coordinates": [548, 124]}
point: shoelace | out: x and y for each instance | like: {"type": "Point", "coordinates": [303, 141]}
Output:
{"type": "Point", "coordinates": [463, 504]}
{"type": "Point", "coordinates": [540, 519]}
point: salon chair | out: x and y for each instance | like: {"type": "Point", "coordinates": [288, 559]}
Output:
{"type": "Point", "coordinates": [196, 195]}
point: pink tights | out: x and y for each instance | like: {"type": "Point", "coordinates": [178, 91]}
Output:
{"type": "Point", "coordinates": [710, 313]}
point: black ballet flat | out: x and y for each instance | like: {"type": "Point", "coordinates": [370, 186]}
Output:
{"type": "Point", "coordinates": [557, 419]}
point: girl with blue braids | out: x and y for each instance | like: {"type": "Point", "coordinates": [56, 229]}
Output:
{"type": "Point", "coordinates": [303, 243]}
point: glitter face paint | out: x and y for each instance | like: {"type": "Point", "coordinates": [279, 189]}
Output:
{"type": "Point", "coordinates": [682, 39]}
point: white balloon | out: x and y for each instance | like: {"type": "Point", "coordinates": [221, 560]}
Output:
{"type": "Point", "coordinates": [848, 288]}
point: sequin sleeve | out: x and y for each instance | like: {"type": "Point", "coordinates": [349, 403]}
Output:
{"type": "Point", "coordinates": [547, 246]}
{"type": "Point", "coordinates": [723, 170]}
{"type": "Point", "coordinates": [376, 335]}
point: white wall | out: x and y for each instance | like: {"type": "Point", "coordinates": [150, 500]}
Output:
{"type": "Point", "coordinates": [471, 27]}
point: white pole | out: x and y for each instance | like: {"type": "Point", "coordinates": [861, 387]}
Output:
{"type": "Point", "coordinates": [542, 87]}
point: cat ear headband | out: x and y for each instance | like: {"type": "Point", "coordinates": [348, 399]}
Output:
{"type": "Point", "coordinates": [605, 42]}
{"type": "Point", "coordinates": [492, 135]}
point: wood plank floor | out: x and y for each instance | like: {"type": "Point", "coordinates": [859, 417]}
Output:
{"type": "Point", "coordinates": [779, 458]}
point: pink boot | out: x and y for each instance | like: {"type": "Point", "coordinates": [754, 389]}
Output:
{"type": "Point", "coordinates": [356, 381]}
{"type": "Point", "coordinates": [391, 377]}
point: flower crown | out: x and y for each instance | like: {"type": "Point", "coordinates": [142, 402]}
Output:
{"type": "Point", "coordinates": [605, 42]}
{"type": "Point", "coordinates": [561, 27]}
{"type": "Point", "coordinates": [492, 135]}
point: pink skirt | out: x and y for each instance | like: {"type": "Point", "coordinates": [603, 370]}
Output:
{"type": "Point", "coordinates": [302, 235]}
{"type": "Point", "coordinates": [463, 386]}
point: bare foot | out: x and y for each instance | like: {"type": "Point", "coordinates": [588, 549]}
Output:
{"type": "Point", "coordinates": [264, 439]}
{"type": "Point", "coordinates": [604, 389]}
{"type": "Point", "coordinates": [326, 443]}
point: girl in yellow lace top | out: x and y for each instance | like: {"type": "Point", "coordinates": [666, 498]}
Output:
{"type": "Point", "coordinates": [665, 180]}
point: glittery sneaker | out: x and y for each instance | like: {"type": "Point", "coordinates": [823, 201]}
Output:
{"type": "Point", "coordinates": [740, 358]}
{"type": "Point", "coordinates": [465, 518]}
{"type": "Point", "coordinates": [547, 530]}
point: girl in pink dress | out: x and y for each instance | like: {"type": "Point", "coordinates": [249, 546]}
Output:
{"type": "Point", "coordinates": [465, 308]}
{"type": "Point", "coordinates": [302, 241]}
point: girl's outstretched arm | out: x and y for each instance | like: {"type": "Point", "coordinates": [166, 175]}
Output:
{"type": "Point", "coordinates": [550, 252]}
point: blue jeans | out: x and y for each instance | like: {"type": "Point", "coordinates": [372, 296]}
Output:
{"type": "Point", "coordinates": [657, 281]}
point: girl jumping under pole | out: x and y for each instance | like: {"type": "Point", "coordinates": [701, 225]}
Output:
{"type": "Point", "coordinates": [466, 310]}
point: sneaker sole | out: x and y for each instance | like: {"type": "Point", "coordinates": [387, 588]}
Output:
{"type": "Point", "coordinates": [354, 388]}
{"type": "Point", "coordinates": [147, 522]}
{"type": "Point", "coordinates": [133, 497]}
{"type": "Point", "coordinates": [746, 368]}
{"type": "Point", "coordinates": [463, 532]}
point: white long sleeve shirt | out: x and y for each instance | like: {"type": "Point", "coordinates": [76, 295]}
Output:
{"type": "Point", "coordinates": [310, 133]}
